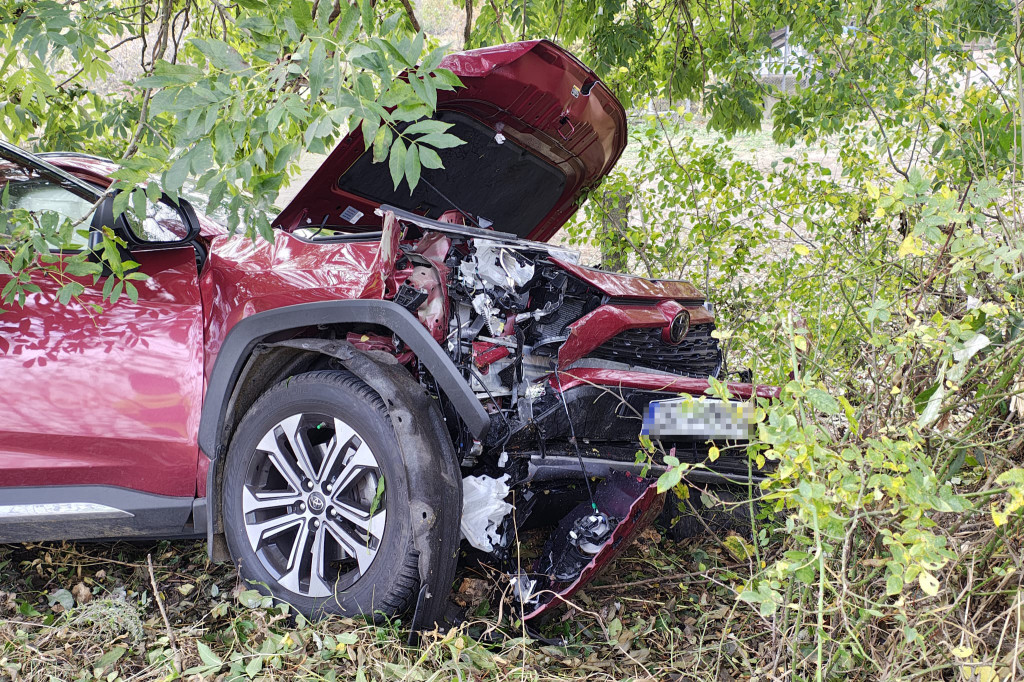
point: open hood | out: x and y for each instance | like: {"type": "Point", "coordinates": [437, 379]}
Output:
{"type": "Point", "coordinates": [540, 130]}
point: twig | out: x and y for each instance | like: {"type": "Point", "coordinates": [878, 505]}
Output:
{"type": "Point", "coordinates": [664, 578]}
{"type": "Point", "coordinates": [176, 660]}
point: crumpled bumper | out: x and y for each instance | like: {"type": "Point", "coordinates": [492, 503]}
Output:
{"type": "Point", "coordinates": [633, 501]}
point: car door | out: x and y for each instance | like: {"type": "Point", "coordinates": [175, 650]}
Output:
{"type": "Point", "coordinates": [102, 408]}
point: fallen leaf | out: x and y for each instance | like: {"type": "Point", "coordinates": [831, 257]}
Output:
{"type": "Point", "coordinates": [81, 593]}
{"type": "Point", "coordinates": [738, 547]}
{"type": "Point", "coordinates": [61, 600]}
{"type": "Point", "coordinates": [471, 592]}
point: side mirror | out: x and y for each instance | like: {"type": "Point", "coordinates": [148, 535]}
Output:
{"type": "Point", "coordinates": [165, 225]}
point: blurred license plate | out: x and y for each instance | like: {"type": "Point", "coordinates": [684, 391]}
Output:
{"type": "Point", "coordinates": [699, 418]}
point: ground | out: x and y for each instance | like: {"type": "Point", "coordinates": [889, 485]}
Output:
{"type": "Point", "coordinates": [82, 611]}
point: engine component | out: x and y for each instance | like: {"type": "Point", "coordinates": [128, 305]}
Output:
{"type": "Point", "coordinates": [484, 307]}
{"type": "Point", "coordinates": [484, 509]}
{"type": "Point", "coordinates": [410, 298]}
{"type": "Point", "coordinates": [486, 353]}
{"type": "Point", "coordinates": [494, 266]}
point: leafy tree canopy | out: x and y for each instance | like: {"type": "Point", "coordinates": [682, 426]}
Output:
{"type": "Point", "coordinates": [223, 97]}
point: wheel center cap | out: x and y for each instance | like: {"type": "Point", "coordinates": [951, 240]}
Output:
{"type": "Point", "coordinates": [317, 503]}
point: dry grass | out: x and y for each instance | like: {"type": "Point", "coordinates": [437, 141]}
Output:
{"type": "Point", "coordinates": [681, 623]}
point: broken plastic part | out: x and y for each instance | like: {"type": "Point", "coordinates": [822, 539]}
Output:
{"type": "Point", "coordinates": [493, 265]}
{"type": "Point", "coordinates": [590, 532]}
{"type": "Point", "coordinates": [483, 306]}
{"type": "Point", "coordinates": [483, 509]}
{"type": "Point", "coordinates": [523, 589]}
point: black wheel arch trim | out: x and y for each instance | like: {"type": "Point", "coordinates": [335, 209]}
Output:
{"type": "Point", "coordinates": [249, 332]}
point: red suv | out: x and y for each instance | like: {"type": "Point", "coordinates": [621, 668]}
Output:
{"type": "Point", "coordinates": [393, 375]}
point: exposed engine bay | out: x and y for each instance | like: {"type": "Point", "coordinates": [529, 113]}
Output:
{"type": "Point", "coordinates": [565, 360]}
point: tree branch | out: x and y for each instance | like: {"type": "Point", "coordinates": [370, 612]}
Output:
{"type": "Point", "coordinates": [412, 15]}
{"type": "Point", "coordinates": [469, 24]}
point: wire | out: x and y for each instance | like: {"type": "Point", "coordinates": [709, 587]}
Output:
{"type": "Point", "coordinates": [441, 194]}
{"type": "Point", "coordinates": [508, 424]}
{"type": "Point", "coordinates": [572, 431]}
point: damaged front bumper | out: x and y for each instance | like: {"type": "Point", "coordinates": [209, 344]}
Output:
{"type": "Point", "coordinates": [630, 503]}
{"type": "Point", "coordinates": [603, 414]}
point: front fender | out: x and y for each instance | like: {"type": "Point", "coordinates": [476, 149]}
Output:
{"type": "Point", "coordinates": [214, 432]}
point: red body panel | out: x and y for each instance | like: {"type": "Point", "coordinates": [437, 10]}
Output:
{"type": "Point", "coordinates": [617, 285]}
{"type": "Point", "coordinates": [107, 399]}
{"type": "Point", "coordinates": [580, 376]}
{"type": "Point", "coordinates": [244, 277]}
{"type": "Point", "coordinates": [601, 324]}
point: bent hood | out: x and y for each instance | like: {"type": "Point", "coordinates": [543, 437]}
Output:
{"type": "Point", "coordinates": [540, 130]}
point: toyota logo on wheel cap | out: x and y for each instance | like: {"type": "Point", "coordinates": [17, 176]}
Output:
{"type": "Point", "coordinates": [317, 503]}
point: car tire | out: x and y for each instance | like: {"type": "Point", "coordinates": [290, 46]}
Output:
{"type": "Point", "coordinates": [306, 516]}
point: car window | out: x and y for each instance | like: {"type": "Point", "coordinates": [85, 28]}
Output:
{"type": "Point", "coordinates": [37, 194]}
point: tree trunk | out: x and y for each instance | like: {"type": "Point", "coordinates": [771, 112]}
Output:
{"type": "Point", "coordinates": [614, 223]}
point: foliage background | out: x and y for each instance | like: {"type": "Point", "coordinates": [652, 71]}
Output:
{"type": "Point", "coordinates": [860, 236]}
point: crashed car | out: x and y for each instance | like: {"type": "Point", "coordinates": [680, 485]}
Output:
{"type": "Point", "coordinates": [393, 377]}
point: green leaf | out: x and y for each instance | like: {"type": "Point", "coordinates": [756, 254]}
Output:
{"type": "Point", "coordinates": [110, 657]}
{"type": "Point", "coordinates": [381, 143]}
{"type": "Point", "coordinates": [429, 158]}
{"type": "Point", "coordinates": [250, 598]}
{"type": "Point", "coordinates": [366, 7]}
{"type": "Point", "coordinates": [440, 140]}
{"type": "Point", "coordinates": [396, 161]}
{"type": "Point", "coordinates": [822, 401]}
{"type": "Point", "coordinates": [449, 79]}
{"type": "Point", "coordinates": [175, 176]}
{"type": "Point", "coordinates": [207, 656]}
{"type": "Point", "coordinates": [68, 291]}
{"type": "Point", "coordinates": [893, 584]}
{"type": "Point", "coordinates": [670, 479]}
{"type": "Point", "coordinates": [256, 664]}
{"type": "Point", "coordinates": [62, 597]}
{"type": "Point", "coordinates": [427, 126]}
{"type": "Point", "coordinates": [74, 267]}
{"type": "Point", "coordinates": [369, 128]}
{"type": "Point", "coordinates": [412, 168]}
{"type": "Point", "coordinates": [221, 55]}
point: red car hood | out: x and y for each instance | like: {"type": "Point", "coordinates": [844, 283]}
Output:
{"type": "Point", "coordinates": [540, 130]}
{"type": "Point", "coordinates": [621, 286]}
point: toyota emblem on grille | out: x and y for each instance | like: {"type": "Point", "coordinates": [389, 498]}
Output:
{"type": "Point", "coordinates": [679, 327]}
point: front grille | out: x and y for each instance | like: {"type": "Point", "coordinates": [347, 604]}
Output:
{"type": "Point", "coordinates": [696, 356]}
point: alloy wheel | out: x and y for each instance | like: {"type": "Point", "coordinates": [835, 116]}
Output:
{"type": "Point", "coordinates": [314, 504]}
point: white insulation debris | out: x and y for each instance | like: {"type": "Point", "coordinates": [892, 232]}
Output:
{"type": "Point", "coordinates": [483, 509]}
